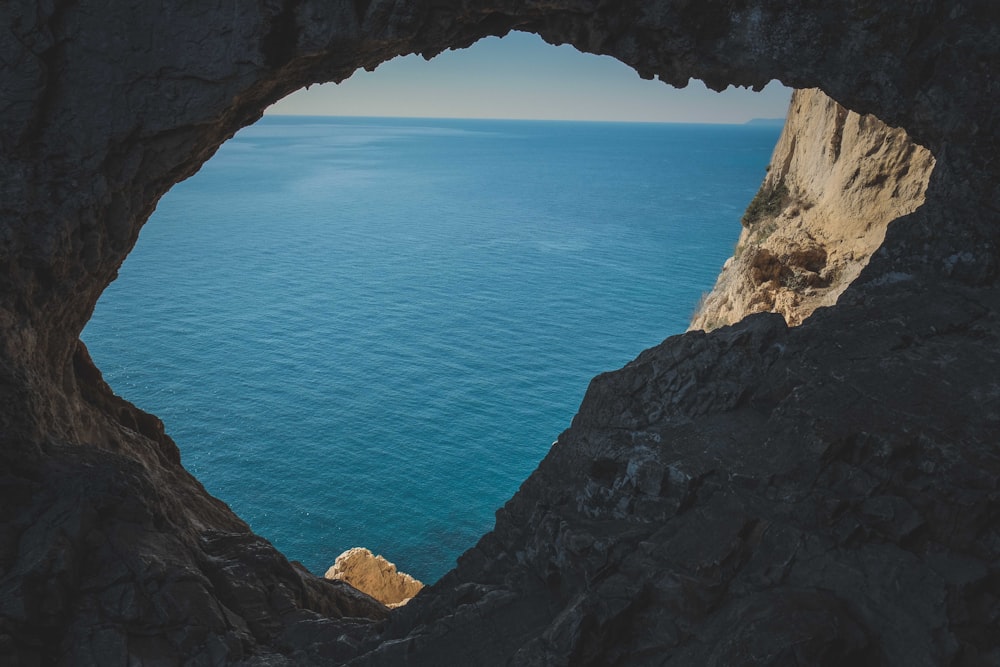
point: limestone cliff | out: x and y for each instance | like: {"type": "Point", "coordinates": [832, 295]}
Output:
{"type": "Point", "coordinates": [819, 495]}
{"type": "Point", "coordinates": [836, 180]}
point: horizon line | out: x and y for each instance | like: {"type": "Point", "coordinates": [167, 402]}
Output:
{"type": "Point", "coordinates": [757, 120]}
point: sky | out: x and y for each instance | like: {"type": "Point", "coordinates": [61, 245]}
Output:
{"type": "Point", "coordinates": [520, 76]}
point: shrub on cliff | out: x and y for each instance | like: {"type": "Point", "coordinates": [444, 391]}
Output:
{"type": "Point", "coordinates": [767, 203]}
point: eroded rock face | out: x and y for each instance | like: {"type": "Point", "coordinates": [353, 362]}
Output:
{"type": "Point", "coordinates": [836, 180]}
{"type": "Point", "coordinates": [375, 576]}
{"type": "Point", "coordinates": [760, 495]}
{"type": "Point", "coordinates": [821, 495]}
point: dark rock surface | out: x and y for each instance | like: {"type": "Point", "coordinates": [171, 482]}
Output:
{"type": "Point", "coordinates": [760, 495]}
{"type": "Point", "coordinates": [821, 495]}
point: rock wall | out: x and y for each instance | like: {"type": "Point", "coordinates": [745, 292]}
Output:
{"type": "Point", "coordinates": [836, 180]}
{"type": "Point", "coordinates": [821, 495]}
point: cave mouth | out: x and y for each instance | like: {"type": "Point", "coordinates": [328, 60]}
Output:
{"type": "Point", "coordinates": [112, 107]}
{"type": "Point", "coordinates": [367, 331]}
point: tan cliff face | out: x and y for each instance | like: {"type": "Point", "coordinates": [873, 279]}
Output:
{"type": "Point", "coordinates": [836, 180]}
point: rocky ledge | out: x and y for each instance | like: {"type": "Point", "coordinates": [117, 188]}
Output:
{"type": "Point", "coordinates": [819, 495]}
{"type": "Point", "coordinates": [375, 576]}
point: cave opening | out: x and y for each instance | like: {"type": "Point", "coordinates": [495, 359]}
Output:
{"type": "Point", "coordinates": [367, 331]}
{"type": "Point", "coordinates": [856, 451]}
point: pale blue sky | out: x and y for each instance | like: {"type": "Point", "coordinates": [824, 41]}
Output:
{"type": "Point", "coordinates": [520, 76]}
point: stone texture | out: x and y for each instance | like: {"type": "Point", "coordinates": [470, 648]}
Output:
{"type": "Point", "coordinates": [374, 576]}
{"type": "Point", "coordinates": [760, 495]}
{"type": "Point", "coordinates": [819, 495]}
{"type": "Point", "coordinates": [836, 180]}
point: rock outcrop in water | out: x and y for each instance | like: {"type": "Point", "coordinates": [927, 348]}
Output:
{"type": "Point", "coordinates": [825, 494]}
{"type": "Point", "coordinates": [375, 576]}
{"type": "Point", "coordinates": [836, 180]}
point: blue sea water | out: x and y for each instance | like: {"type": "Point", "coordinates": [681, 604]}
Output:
{"type": "Point", "coordinates": [368, 332]}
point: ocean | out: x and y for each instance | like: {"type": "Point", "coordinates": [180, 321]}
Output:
{"type": "Point", "coordinates": [368, 331]}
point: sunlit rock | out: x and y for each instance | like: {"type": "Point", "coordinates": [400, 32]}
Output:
{"type": "Point", "coordinates": [375, 576]}
{"type": "Point", "coordinates": [835, 182]}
